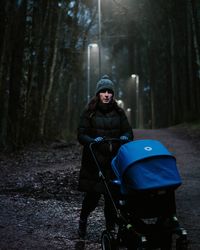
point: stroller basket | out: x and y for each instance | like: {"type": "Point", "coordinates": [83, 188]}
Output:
{"type": "Point", "coordinates": [144, 165]}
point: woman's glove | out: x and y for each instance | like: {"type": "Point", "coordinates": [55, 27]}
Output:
{"type": "Point", "coordinates": [98, 139]}
{"type": "Point", "coordinates": [123, 138]}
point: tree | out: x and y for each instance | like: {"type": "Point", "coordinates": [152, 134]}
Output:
{"type": "Point", "coordinates": [39, 78]}
{"type": "Point", "coordinates": [163, 48]}
{"type": "Point", "coordinates": [43, 63]}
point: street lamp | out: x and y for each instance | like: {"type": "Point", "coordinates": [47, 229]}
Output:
{"type": "Point", "coordinates": [136, 77]}
{"type": "Point", "coordinates": [99, 26]}
{"type": "Point", "coordinates": [90, 46]}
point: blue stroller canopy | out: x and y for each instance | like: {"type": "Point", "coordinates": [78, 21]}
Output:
{"type": "Point", "coordinates": [145, 165]}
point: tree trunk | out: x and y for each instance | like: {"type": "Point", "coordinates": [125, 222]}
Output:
{"type": "Point", "coordinates": [190, 67]}
{"type": "Point", "coordinates": [17, 52]}
{"type": "Point", "coordinates": [5, 62]}
{"type": "Point", "coordinates": [44, 108]}
{"type": "Point", "coordinates": [195, 36]}
{"type": "Point", "coordinates": [173, 71]}
{"type": "Point", "coordinates": [196, 65]}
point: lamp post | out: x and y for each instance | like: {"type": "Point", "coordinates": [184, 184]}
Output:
{"type": "Point", "coordinates": [99, 31]}
{"type": "Point", "coordinates": [90, 46]}
{"type": "Point", "coordinates": [136, 77]}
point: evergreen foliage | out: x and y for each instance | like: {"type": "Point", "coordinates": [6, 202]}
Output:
{"type": "Point", "coordinates": [43, 66]}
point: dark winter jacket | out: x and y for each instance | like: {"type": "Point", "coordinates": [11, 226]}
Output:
{"type": "Point", "coordinates": [105, 120]}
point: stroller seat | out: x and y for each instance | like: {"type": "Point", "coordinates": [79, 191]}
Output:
{"type": "Point", "coordinates": [145, 165]}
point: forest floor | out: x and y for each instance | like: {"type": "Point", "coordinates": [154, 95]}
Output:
{"type": "Point", "coordinates": [40, 204]}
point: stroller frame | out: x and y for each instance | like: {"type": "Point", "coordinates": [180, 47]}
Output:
{"type": "Point", "coordinates": [135, 232]}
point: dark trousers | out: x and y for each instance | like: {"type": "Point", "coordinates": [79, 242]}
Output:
{"type": "Point", "coordinates": [90, 202]}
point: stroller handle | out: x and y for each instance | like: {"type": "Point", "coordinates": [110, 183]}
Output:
{"type": "Point", "coordinates": [106, 140]}
{"type": "Point", "coordinates": [109, 141]}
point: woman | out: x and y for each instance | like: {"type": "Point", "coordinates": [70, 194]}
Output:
{"type": "Point", "coordinates": [102, 118]}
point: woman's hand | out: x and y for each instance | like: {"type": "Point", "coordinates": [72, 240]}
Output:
{"type": "Point", "coordinates": [98, 139]}
{"type": "Point", "coordinates": [123, 138]}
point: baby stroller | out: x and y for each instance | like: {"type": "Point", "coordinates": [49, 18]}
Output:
{"type": "Point", "coordinates": [143, 195]}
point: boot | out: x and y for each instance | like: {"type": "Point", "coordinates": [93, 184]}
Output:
{"type": "Point", "coordinates": [82, 228]}
{"type": "Point", "coordinates": [171, 223]}
{"type": "Point", "coordinates": [110, 227]}
{"type": "Point", "coordinates": [174, 222]}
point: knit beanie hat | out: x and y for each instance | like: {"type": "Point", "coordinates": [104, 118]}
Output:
{"type": "Point", "coordinates": [104, 83]}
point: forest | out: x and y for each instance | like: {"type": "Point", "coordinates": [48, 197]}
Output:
{"type": "Point", "coordinates": [49, 68]}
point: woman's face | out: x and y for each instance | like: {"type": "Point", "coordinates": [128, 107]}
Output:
{"type": "Point", "coordinates": [106, 96]}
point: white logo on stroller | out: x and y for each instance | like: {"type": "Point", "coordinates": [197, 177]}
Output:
{"type": "Point", "coordinates": [148, 148]}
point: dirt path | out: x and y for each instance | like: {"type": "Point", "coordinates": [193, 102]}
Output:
{"type": "Point", "coordinates": [39, 204]}
{"type": "Point", "coordinates": [188, 195]}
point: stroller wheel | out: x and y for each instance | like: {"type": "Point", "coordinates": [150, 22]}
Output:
{"type": "Point", "coordinates": [182, 243]}
{"type": "Point", "coordinates": [166, 242]}
{"type": "Point", "coordinates": [108, 242]}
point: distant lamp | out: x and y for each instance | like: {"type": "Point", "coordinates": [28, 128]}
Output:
{"type": "Point", "coordinates": [90, 46]}
{"type": "Point", "coordinates": [136, 78]}
{"type": "Point", "coordinates": [120, 103]}
{"type": "Point", "coordinates": [133, 76]}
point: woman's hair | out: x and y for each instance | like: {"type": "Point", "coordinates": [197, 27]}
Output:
{"type": "Point", "coordinates": [92, 105]}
